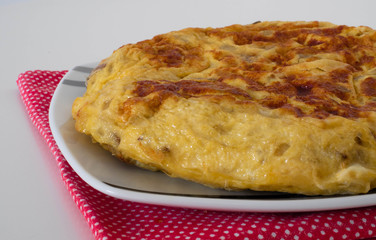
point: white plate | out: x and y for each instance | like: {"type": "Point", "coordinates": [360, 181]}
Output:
{"type": "Point", "coordinates": [111, 176]}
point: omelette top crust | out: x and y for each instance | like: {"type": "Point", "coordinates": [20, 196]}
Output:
{"type": "Point", "coordinates": [309, 69]}
{"type": "Point", "coordinates": [316, 79]}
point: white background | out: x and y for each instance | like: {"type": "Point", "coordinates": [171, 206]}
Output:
{"type": "Point", "coordinates": [57, 35]}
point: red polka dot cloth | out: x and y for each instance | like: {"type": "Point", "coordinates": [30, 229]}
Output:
{"type": "Point", "coordinates": [111, 218]}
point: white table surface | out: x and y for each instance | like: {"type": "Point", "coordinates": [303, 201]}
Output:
{"type": "Point", "coordinates": [57, 35]}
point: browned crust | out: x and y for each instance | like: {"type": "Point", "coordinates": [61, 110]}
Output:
{"type": "Point", "coordinates": [336, 92]}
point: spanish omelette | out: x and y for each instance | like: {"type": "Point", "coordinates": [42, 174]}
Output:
{"type": "Point", "coordinates": [269, 106]}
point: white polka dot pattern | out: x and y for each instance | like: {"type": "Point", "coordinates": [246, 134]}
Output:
{"type": "Point", "coordinates": [111, 218]}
